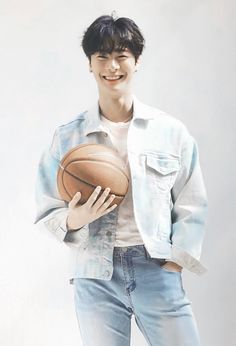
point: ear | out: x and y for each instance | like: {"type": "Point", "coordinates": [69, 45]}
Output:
{"type": "Point", "coordinates": [138, 63]}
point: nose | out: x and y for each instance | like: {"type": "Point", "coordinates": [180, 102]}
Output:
{"type": "Point", "coordinates": [112, 65]}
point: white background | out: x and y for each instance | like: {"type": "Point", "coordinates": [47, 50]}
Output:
{"type": "Point", "coordinates": [188, 69]}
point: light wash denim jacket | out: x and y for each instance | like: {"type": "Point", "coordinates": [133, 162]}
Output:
{"type": "Point", "coordinates": [169, 196]}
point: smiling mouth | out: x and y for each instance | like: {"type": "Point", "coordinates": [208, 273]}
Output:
{"type": "Point", "coordinates": [114, 78]}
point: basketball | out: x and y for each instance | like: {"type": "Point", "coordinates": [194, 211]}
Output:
{"type": "Point", "coordinates": [86, 166]}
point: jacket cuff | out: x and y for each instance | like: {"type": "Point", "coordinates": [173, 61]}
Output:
{"type": "Point", "coordinates": [56, 223]}
{"type": "Point", "coordinates": [185, 260]}
{"type": "Point", "coordinates": [78, 237]}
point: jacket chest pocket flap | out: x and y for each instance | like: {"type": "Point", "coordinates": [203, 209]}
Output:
{"type": "Point", "coordinates": [162, 170]}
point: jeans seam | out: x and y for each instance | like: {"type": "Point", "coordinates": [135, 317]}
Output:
{"type": "Point", "coordinates": [124, 277]}
{"type": "Point", "coordinates": [131, 303]}
{"type": "Point", "coordinates": [143, 330]}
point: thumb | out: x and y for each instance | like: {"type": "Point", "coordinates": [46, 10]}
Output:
{"type": "Point", "coordinates": [75, 199]}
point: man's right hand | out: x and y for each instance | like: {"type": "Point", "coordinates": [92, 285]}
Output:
{"type": "Point", "coordinates": [92, 209]}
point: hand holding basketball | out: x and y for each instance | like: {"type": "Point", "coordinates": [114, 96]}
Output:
{"type": "Point", "coordinates": [80, 215]}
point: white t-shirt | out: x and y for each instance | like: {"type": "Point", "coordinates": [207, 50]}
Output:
{"type": "Point", "coordinates": [127, 233]}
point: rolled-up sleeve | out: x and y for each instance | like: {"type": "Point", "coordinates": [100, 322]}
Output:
{"type": "Point", "coordinates": [189, 210]}
{"type": "Point", "coordinates": [50, 208]}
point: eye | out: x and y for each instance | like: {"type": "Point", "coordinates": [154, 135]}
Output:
{"type": "Point", "coordinates": [101, 56]}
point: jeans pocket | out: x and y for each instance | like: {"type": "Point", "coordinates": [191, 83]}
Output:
{"type": "Point", "coordinates": [167, 270]}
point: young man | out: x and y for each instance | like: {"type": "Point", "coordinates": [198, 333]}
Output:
{"type": "Point", "coordinates": [130, 257]}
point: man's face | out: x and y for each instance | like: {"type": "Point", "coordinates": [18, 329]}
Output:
{"type": "Point", "coordinates": [113, 72]}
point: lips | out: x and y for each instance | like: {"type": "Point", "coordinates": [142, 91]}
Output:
{"type": "Point", "coordinates": [112, 78]}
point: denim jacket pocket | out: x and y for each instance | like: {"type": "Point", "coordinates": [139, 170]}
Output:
{"type": "Point", "coordinates": [161, 170]}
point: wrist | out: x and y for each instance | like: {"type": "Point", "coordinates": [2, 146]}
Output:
{"type": "Point", "coordinates": [71, 227]}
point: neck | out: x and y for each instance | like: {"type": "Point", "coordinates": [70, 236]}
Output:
{"type": "Point", "coordinates": [118, 109]}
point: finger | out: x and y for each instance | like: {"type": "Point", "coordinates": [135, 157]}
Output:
{"type": "Point", "coordinates": [109, 209]}
{"type": "Point", "coordinates": [102, 198]}
{"type": "Point", "coordinates": [92, 198]}
{"type": "Point", "coordinates": [75, 200]}
{"type": "Point", "coordinates": [106, 204]}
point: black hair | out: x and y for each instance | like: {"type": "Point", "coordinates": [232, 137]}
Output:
{"type": "Point", "coordinates": [107, 34]}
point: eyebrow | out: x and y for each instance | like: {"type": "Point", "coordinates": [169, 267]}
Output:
{"type": "Point", "coordinates": [117, 51]}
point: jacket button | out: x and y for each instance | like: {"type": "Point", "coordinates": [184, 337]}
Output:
{"type": "Point", "coordinates": [106, 273]}
{"type": "Point", "coordinates": [105, 134]}
{"type": "Point", "coordinates": [109, 233]}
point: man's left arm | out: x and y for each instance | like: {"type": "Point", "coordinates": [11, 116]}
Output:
{"type": "Point", "coordinates": [189, 211]}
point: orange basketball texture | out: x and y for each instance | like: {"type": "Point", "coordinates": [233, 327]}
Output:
{"type": "Point", "coordinates": [89, 165]}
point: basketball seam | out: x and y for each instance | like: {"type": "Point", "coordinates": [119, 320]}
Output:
{"type": "Point", "coordinates": [84, 181]}
{"type": "Point", "coordinates": [104, 161]}
{"type": "Point", "coordinates": [66, 188]}
{"type": "Point", "coordinates": [83, 160]}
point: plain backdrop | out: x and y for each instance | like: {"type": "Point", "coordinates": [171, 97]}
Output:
{"type": "Point", "coordinates": [188, 69]}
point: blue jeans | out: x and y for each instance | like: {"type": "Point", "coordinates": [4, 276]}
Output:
{"type": "Point", "coordinates": [139, 287]}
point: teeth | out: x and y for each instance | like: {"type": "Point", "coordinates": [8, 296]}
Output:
{"type": "Point", "coordinates": [112, 78]}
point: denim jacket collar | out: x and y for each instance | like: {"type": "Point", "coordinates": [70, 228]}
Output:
{"type": "Point", "coordinates": [141, 111]}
